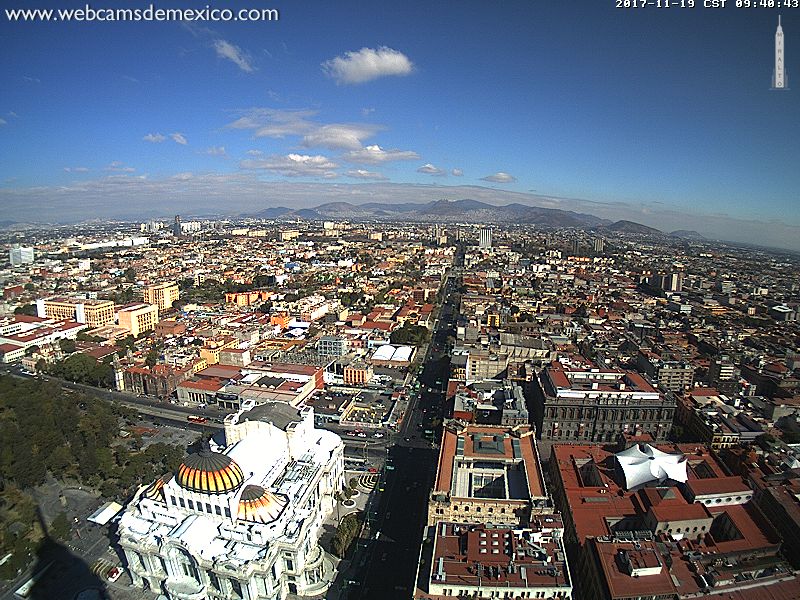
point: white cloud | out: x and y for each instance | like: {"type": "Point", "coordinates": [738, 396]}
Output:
{"type": "Point", "coordinates": [234, 54]}
{"type": "Point", "coordinates": [31, 79]}
{"type": "Point", "coordinates": [368, 175]}
{"type": "Point", "coordinates": [179, 138]}
{"type": "Point", "coordinates": [294, 165]}
{"type": "Point", "coordinates": [254, 153]}
{"type": "Point", "coordinates": [274, 122]}
{"type": "Point", "coordinates": [367, 111]}
{"type": "Point", "coordinates": [11, 113]}
{"type": "Point", "coordinates": [3, 121]}
{"type": "Point", "coordinates": [185, 176]}
{"type": "Point", "coordinates": [457, 172]}
{"type": "Point", "coordinates": [367, 64]}
{"type": "Point", "coordinates": [216, 151]}
{"type": "Point", "coordinates": [154, 138]}
{"type": "Point", "coordinates": [429, 169]}
{"type": "Point", "coordinates": [499, 177]}
{"type": "Point", "coordinates": [76, 169]}
{"type": "Point", "coordinates": [375, 155]}
{"type": "Point", "coordinates": [119, 167]}
{"type": "Point", "coordinates": [340, 136]}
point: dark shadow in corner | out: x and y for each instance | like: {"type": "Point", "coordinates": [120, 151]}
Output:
{"type": "Point", "coordinates": [60, 574]}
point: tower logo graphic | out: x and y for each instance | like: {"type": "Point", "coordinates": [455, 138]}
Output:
{"type": "Point", "coordinates": [780, 80]}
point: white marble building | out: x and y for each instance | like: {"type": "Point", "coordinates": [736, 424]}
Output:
{"type": "Point", "coordinates": [244, 521]}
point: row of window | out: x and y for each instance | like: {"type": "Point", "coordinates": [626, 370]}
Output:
{"type": "Point", "coordinates": [608, 414]}
{"type": "Point", "coordinates": [199, 506]}
{"type": "Point", "coordinates": [440, 511]}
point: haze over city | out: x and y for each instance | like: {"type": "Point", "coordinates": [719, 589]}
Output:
{"type": "Point", "coordinates": [664, 117]}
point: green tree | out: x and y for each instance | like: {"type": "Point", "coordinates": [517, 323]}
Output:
{"type": "Point", "coordinates": [130, 274]}
{"type": "Point", "coordinates": [67, 346]}
{"type": "Point", "coordinates": [26, 309]}
{"type": "Point", "coordinates": [31, 350]}
{"type": "Point", "coordinates": [59, 528]}
{"type": "Point", "coordinates": [346, 532]}
{"type": "Point", "coordinates": [151, 359]}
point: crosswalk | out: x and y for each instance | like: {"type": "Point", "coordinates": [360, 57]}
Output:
{"type": "Point", "coordinates": [101, 567]}
{"type": "Point", "coordinates": [368, 481]}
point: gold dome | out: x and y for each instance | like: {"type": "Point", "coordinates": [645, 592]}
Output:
{"type": "Point", "coordinates": [209, 472]}
{"type": "Point", "coordinates": [260, 505]}
{"type": "Point", "coordinates": [155, 491]}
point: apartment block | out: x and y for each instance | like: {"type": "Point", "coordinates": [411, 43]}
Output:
{"type": "Point", "coordinates": [161, 294]}
{"type": "Point", "coordinates": [94, 313]}
{"type": "Point", "coordinates": [138, 318]}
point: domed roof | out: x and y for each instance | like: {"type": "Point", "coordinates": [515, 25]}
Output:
{"type": "Point", "coordinates": [155, 491]}
{"type": "Point", "coordinates": [209, 472]}
{"type": "Point", "coordinates": [260, 505]}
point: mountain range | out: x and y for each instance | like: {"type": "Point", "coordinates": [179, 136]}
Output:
{"type": "Point", "coordinates": [448, 211]}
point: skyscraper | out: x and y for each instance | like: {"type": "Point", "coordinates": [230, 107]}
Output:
{"type": "Point", "coordinates": [780, 80]}
{"type": "Point", "coordinates": [176, 226]}
{"type": "Point", "coordinates": [19, 255]}
{"type": "Point", "coordinates": [486, 238]}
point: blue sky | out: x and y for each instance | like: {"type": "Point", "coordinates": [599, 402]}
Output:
{"type": "Point", "coordinates": [663, 116]}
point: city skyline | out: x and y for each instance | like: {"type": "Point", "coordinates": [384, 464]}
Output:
{"type": "Point", "coordinates": [660, 117]}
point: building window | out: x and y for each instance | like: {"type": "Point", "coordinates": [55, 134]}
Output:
{"type": "Point", "coordinates": [191, 504]}
{"type": "Point", "coordinates": [214, 580]}
{"type": "Point", "coordinates": [183, 504]}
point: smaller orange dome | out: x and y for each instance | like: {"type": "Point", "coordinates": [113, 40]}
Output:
{"type": "Point", "coordinates": [260, 505]}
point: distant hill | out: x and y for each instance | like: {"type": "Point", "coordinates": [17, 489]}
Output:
{"type": "Point", "coordinates": [273, 213]}
{"type": "Point", "coordinates": [465, 210]}
{"type": "Point", "coordinates": [688, 234]}
{"type": "Point", "coordinates": [632, 227]}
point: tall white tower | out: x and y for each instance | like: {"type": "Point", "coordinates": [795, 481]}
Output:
{"type": "Point", "coordinates": [485, 238]}
{"type": "Point", "coordinates": [780, 81]}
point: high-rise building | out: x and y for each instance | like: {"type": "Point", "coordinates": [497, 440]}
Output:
{"type": "Point", "coordinates": [20, 255]}
{"type": "Point", "coordinates": [485, 238]}
{"type": "Point", "coordinates": [176, 226]}
{"type": "Point", "coordinates": [241, 521]}
{"type": "Point", "coordinates": [780, 80]}
{"type": "Point", "coordinates": [162, 294]}
{"type": "Point", "coordinates": [599, 245]}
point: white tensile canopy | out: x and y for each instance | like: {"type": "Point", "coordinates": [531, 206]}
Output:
{"type": "Point", "coordinates": [642, 464]}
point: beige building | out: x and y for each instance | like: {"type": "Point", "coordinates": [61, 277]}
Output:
{"type": "Point", "coordinates": [138, 318]}
{"type": "Point", "coordinates": [487, 474]}
{"type": "Point", "coordinates": [94, 313]}
{"type": "Point", "coordinates": [162, 295]}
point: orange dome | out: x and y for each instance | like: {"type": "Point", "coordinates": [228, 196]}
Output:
{"type": "Point", "coordinates": [260, 505]}
{"type": "Point", "coordinates": [155, 491]}
{"type": "Point", "coordinates": [209, 472]}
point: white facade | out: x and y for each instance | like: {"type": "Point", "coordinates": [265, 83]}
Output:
{"type": "Point", "coordinates": [243, 522]}
{"type": "Point", "coordinates": [779, 77]}
{"type": "Point", "coordinates": [485, 238]}
{"type": "Point", "coordinates": [20, 255]}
